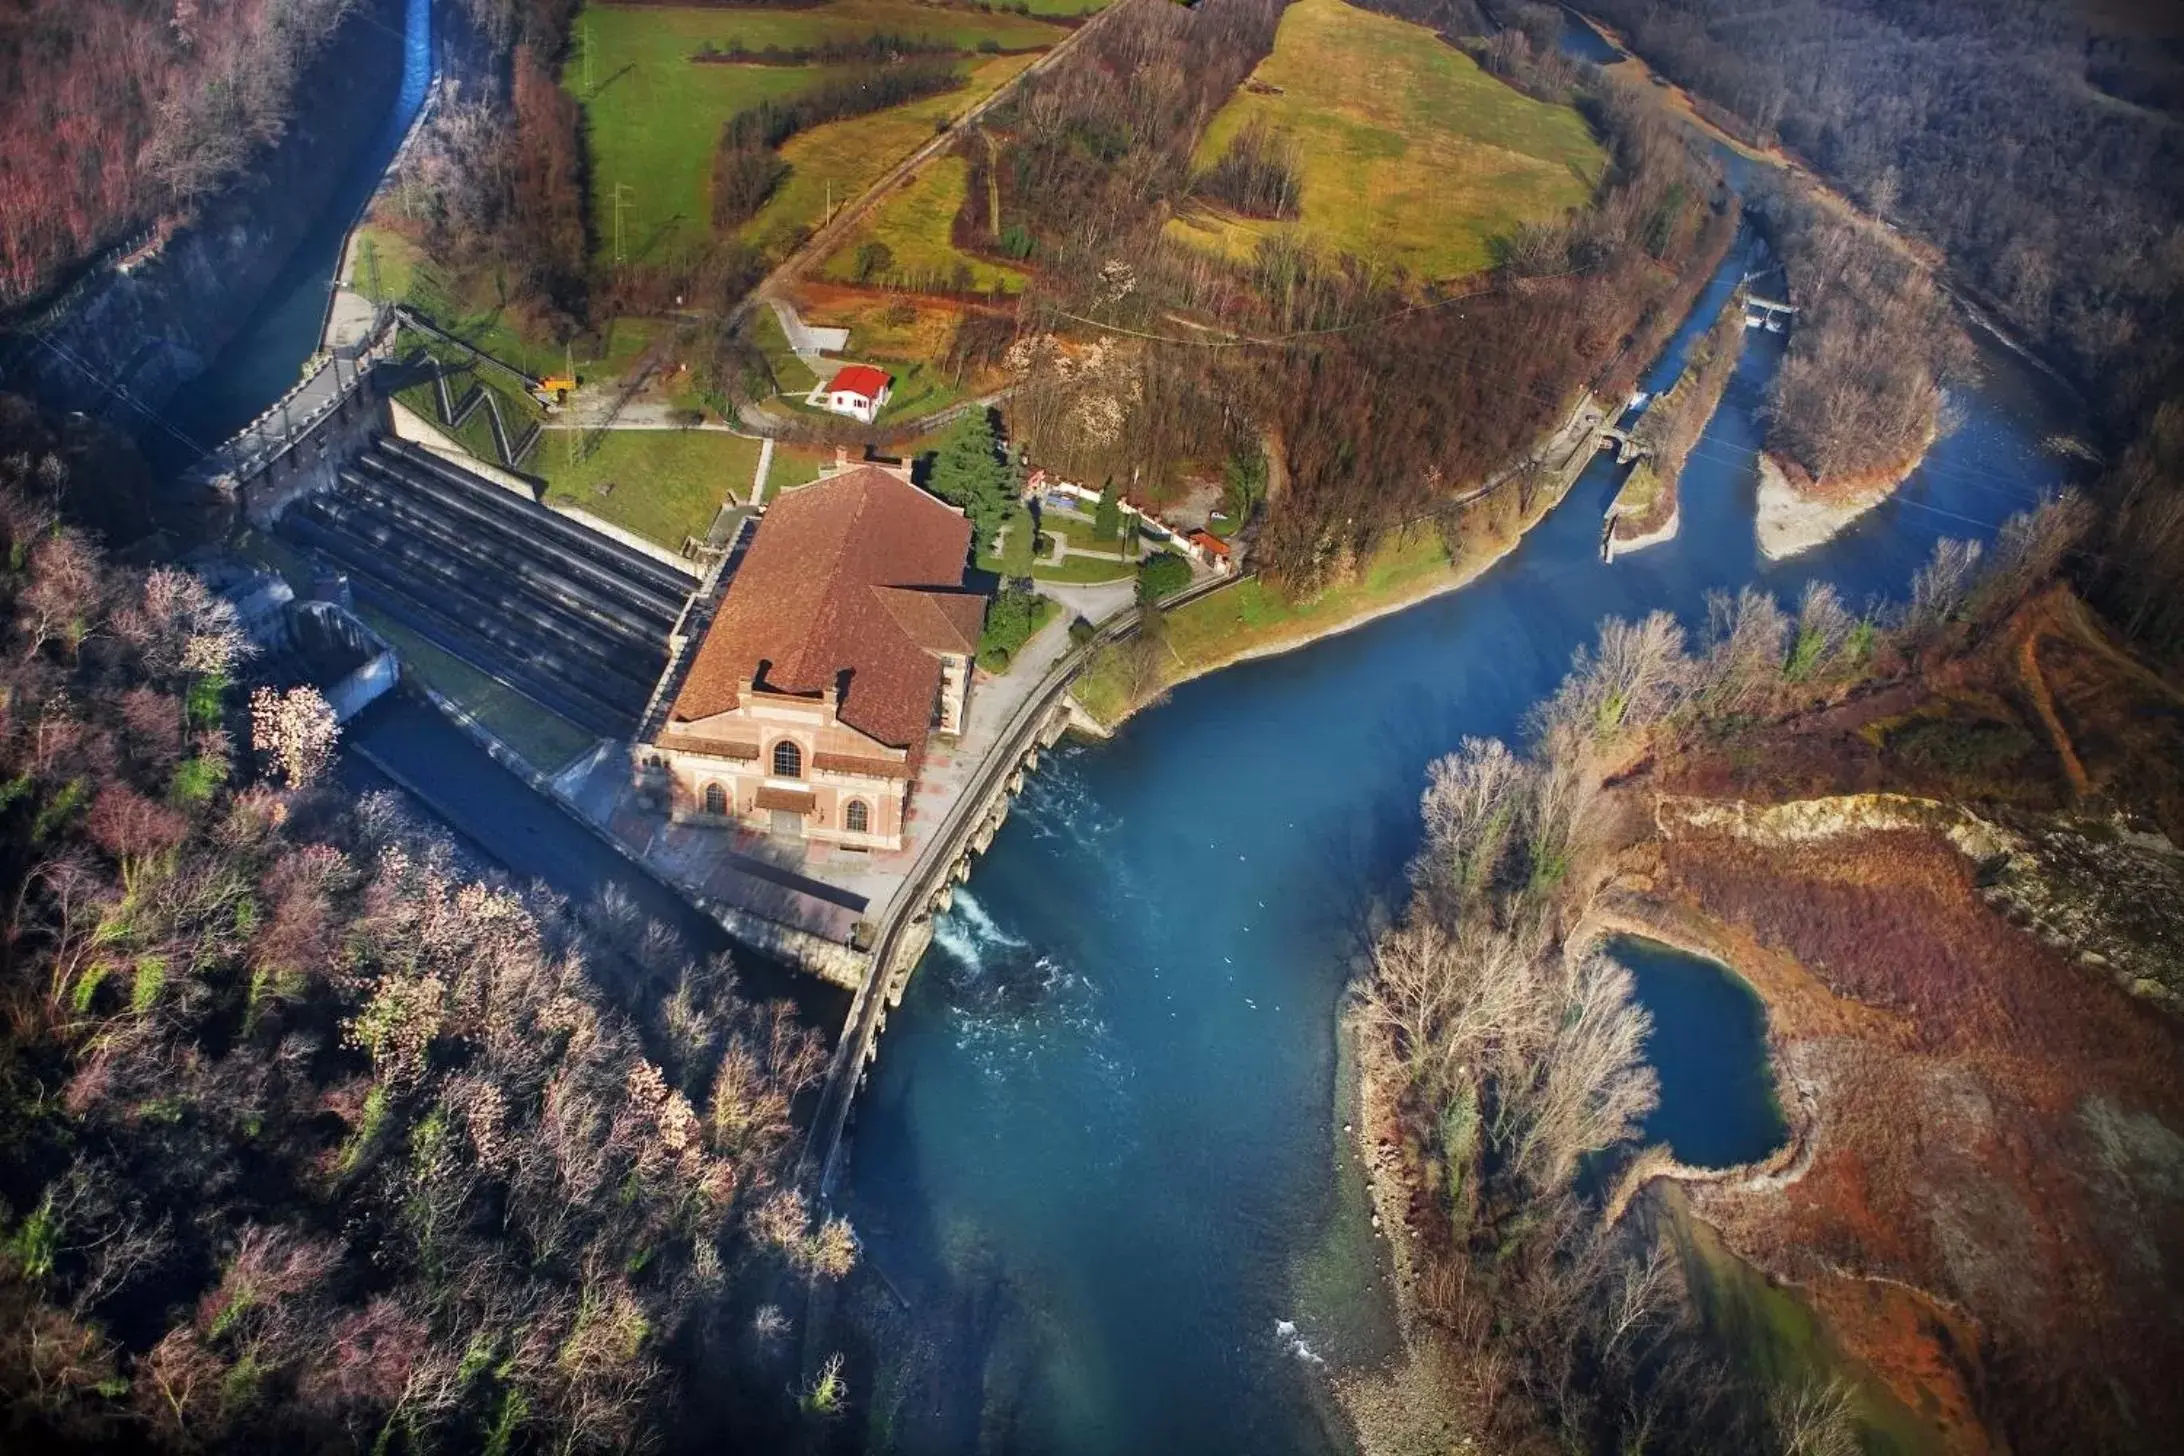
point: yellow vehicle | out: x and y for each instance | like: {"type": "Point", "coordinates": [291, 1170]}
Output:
{"type": "Point", "coordinates": [554, 388]}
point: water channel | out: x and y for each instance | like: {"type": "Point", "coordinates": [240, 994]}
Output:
{"type": "Point", "coordinates": [1102, 1151]}
{"type": "Point", "coordinates": [261, 362]}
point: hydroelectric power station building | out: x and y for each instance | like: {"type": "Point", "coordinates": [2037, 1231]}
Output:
{"type": "Point", "coordinates": [843, 643]}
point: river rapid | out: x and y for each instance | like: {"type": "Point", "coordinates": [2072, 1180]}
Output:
{"type": "Point", "coordinates": [1102, 1154]}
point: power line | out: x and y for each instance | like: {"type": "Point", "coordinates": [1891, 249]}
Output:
{"type": "Point", "coordinates": [70, 357]}
{"type": "Point", "coordinates": [1245, 341]}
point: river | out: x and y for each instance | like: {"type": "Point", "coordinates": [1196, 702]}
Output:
{"type": "Point", "coordinates": [1101, 1152]}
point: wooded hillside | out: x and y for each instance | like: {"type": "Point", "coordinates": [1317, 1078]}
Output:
{"type": "Point", "coordinates": [309, 1138]}
{"type": "Point", "coordinates": [2039, 145]}
{"type": "Point", "coordinates": [121, 113]}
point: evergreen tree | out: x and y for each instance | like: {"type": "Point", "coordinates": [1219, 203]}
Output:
{"type": "Point", "coordinates": [1107, 517]}
{"type": "Point", "coordinates": [968, 472]}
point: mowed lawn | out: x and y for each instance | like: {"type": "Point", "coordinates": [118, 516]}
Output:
{"type": "Point", "coordinates": [653, 114]}
{"type": "Point", "coordinates": [1410, 153]}
{"type": "Point", "coordinates": [666, 484]}
{"type": "Point", "coordinates": [916, 224]}
{"type": "Point", "coordinates": [836, 162]}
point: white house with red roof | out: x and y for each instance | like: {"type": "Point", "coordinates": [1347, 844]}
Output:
{"type": "Point", "coordinates": [859, 391]}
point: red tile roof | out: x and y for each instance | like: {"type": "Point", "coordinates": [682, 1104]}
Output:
{"type": "Point", "coordinates": [859, 379]}
{"type": "Point", "coordinates": [1208, 541]}
{"type": "Point", "coordinates": [854, 582]}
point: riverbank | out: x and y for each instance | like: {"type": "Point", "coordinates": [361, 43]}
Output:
{"type": "Point", "coordinates": [1791, 520]}
{"type": "Point", "coordinates": [1254, 619]}
{"type": "Point", "coordinates": [1422, 1398]}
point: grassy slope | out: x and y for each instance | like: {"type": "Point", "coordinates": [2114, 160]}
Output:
{"type": "Point", "coordinates": [795, 465]}
{"type": "Point", "coordinates": [1411, 154]}
{"type": "Point", "coordinates": [915, 224]}
{"type": "Point", "coordinates": [1256, 616]}
{"type": "Point", "coordinates": [653, 115]}
{"type": "Point", "coordinates": [667, 483]}
{"type": "Point", "coordinates": [843, 158]}
{"type": "Point", "coordinates": [789, 370]}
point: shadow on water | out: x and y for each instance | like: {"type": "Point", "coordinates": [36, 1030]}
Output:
{"type": "Point", "coordinates": [1124, 1098]}
{"type": "Point", "coordinates": [459, 788]}
{"type": "Point", "coordinates": [260, 363]}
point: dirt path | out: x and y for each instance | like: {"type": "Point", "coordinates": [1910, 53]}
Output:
{"type": "Point", "coordinates": [822, 240]}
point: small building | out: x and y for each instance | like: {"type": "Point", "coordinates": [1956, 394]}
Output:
{"type": "Point", "coordinates": [859, 391]}
{"type": "Point", "coordinates": [842, 645]}
{"type": "Point", "coordinates": [1211, 549]}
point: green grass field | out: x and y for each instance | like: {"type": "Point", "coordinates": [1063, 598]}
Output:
{"type": "Point", "coordinates": [915, 225]}
{"type": "Point", "coordinates": [383, 264]}
{"type": "Point", "coordinates": [836, 162]}
{"type": "Point", "coordinates": [1411, 155]}
{"type": "Point", "coordinates": [667, 484]}
{"type": "Point", "coordinates": [795, 465]}
{"type": "Point", "coordinates": [789, 370]}
{"type": "Point", "coordinates": [653, 115]}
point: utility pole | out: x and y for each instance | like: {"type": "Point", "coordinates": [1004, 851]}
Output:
{"type": "Point", "coordinates": [619, 188]}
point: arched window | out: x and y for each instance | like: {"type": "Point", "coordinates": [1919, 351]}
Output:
{"type": "Point", "coordinates": [716, 800]}
{"type": "Point", "coordinates": [788, 760]}
{"type": "Point", "coordinates": [857, 819]}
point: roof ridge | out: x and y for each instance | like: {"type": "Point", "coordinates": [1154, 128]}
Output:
{"type": "Point", "coordinates": [826, 561]}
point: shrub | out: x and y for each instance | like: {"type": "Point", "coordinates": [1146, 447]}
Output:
{"type": "Point", "coordinates": [1012, 618]}
{"type": "Point", "coordinates": [1162, 575]}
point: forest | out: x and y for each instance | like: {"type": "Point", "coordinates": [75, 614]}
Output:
{"type": "Point", "coordinates": [2038, 146]}
{"type": "Point", "coordinates": [315, 1137]}
{"type": "Point", "coordinates": [122, 115]}
{"type": "Point", "coordinates": [1859, 392]}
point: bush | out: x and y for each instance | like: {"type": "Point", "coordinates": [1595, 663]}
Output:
{"type": "Point", "coordinates": [1162, 575]}
{"type": "Point", "coordinates": [1012, 618]}
{"type": "Point", "coordinates": [1081, 631]}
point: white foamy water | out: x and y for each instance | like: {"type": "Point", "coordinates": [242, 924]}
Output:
{"type": "Point", "coordinates": [969, 934]}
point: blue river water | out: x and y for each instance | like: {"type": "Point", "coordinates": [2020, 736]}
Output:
{"type": "Point", "coordinates": [1105, 1116]}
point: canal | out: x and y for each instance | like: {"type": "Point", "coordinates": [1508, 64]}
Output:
{"type": "Point", "coordinates": [1106, 1118]}
{"type": "Point", "coordinates": [260, 363]}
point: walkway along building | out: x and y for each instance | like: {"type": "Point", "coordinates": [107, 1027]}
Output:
{"type": "Point", "coordinates": [844, 641]}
